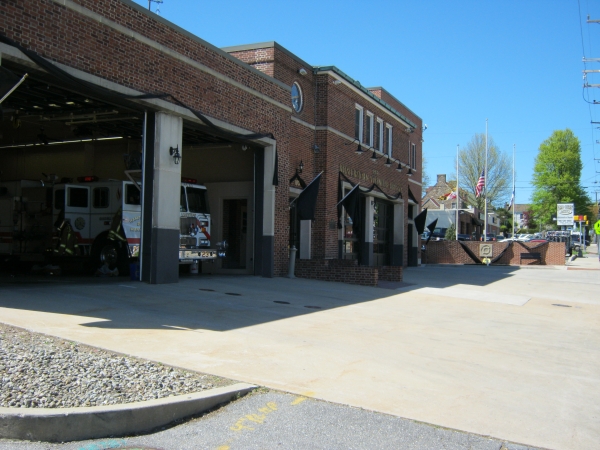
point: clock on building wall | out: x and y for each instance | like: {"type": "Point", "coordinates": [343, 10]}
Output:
{"type": "Point", "coordinates": [297, 100]}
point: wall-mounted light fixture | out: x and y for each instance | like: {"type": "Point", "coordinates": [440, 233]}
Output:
{"type": "Point", "coordinates": [374, 156]}
{"type": "Point", "coordinates": [302, 71]}
{"type": "Point", "coordinates": [359, 150]}
{"type": "Point", "coordinates": [409, 173]}
{"type": "Point", "coordinates": [388, 162]}
{"type": "Point", "coordinates": [336, 82]}
{"type": "Point", "coordinates": [174, 152]}
{"type": "Point", "coordinates": [300, 168]}
{"type": "Point", "coordinates": [399, 168]}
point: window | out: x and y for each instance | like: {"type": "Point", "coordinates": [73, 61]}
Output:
{"type": "Point", "coordinates": [59, 199]}
{"type": "Point", "coordinates": [379, 143]}
{"type": "Point", "coordinates": [182, 200]}
{"type": "Point", "coordinates": [358, 123]}
{"type": "Point", "coordinates": [389, 140]}
{"type": "Point", "coordinates": [197, 202]}
{"type": "Point", "coordinates": [413, 156]}
{"type": "Point", "coordinates": [78, 197]}
{"type": "Point", "coordinates": [297, 99]}
{"type": "Point", "coordinates": [101, 197]}
{"type": "Point", "coordinates": [132, 194]}
{"type": "Point", "coordinates": [351, 241]}
{"type": "Point", "coordinates": [369, 129]}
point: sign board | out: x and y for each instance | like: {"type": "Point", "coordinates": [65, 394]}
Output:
{"type": "Point", "coordinates": [486, 250]}
{"type": "Point", "coordinates": [597, 227]}
{"type": "Point", "coordinates": [564, 214]}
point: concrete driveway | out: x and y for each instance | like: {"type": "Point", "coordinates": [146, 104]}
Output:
{"type": "Point", "coordinates": [500, 351]}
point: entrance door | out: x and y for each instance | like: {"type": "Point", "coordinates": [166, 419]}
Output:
{"type": "Point", "coordinates": [382, 230]}
{"type": "Point", "coordinates": [235, 232]}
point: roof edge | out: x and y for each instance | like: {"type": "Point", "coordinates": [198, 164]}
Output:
{"type": "Point", "coordinates": [201, 41]}
{"type": "Point", "coordinates": [395, 98]}
{"type": "Point", "coordinates": [366, 91]}
{"type": "Point", "coordinates": [268, 44]}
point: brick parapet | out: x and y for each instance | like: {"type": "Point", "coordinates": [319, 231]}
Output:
{"type": "Point", "coordinates": [451, 252]}
{"type": "Point", "coordinates": [340, 270]}
{"type": "Point", "coordinates": [390, 273]}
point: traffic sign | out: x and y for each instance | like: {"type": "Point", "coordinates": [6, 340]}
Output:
{"type": "Point", "coordinates": [597, 227]}
{"type": "Point", "coordinates": [564, 214]}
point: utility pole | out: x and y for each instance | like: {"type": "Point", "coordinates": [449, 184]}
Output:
{"type": "Point", "coordinates": [155, 1]}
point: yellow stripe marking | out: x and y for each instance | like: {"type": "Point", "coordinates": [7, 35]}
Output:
{"type": "Point", "coordinates": [302, 397]}
{"type": "Point", "coordinates": [298, 400]}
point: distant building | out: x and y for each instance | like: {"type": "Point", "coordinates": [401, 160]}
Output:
{"type": "Point", "coordinates": [441, 203]}
{"type": "Point", "coordinates": [520, 215]}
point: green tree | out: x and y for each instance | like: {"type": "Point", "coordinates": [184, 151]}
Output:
{"type": "Point", "coordinates": [424, 174]}
{"type": "Point", "coordinates": [451, 233]}
{"type": "Point", "coordinates": [556, 176]}
{"type": "Point", "coordinates": [505, 217]}
{"type": "Point", "coordinates": [471, 162]}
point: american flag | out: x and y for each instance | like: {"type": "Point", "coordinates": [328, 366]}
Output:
{"type": "Point", "coordinates": [480, 184]}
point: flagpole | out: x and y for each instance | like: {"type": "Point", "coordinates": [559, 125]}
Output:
{"type": "Point", "coordinates": [457, 195]}
{"type": "Point", "coordinates": [485, 219]}
{"type": "Point", "coordinates": [14, 87]}
{"type": "Point", "coordinates": [514, 195]}
{"type": "Point", "coordinates": [344, 197]}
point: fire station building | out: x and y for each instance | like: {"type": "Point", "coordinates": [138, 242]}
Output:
{"type": "Point", "coordinates": [114, 89]}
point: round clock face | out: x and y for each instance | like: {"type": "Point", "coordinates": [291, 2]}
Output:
{"type": "Point", "coordinates": [297, 97]}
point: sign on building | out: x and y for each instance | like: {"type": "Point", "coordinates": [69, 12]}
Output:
{"type": "Point", "coordinates": [564, 214]}
{"type": "Point", "coordinates": [486, 250]}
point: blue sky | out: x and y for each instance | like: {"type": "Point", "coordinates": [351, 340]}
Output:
{"type": "Point", "coordinates": [455, 64]}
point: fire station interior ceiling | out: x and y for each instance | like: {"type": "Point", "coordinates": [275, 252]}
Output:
{"type": "Point", "coordinates": [49, 121]}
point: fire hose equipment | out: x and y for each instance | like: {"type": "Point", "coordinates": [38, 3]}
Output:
{"type": "Point", "coordinates": [116, 228]}
{"type": "Point", "coordinates": [68, 240]}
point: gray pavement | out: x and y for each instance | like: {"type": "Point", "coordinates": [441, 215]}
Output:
{"type": "Point", "coordinates": [279, 420]}
{"type": "Point", "coordinates": [517, 357]}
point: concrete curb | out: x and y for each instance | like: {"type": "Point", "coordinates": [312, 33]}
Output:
{"type": "Point", "coordinates": [76, 424]}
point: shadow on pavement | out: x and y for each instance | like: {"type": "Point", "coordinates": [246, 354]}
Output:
{"type": "Point", "coordinates": [213, 302]}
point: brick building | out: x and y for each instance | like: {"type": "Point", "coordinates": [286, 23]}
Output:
{"type": "Point", "coordinates": [442, 206]}
{"type": "Point", "coordinates": [254, 123]}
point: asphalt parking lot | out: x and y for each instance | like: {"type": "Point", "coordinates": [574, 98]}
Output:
{"type": "Point", "coordinates": [497, 351]}
{"type": "Point", "coordinates": [279, 420]}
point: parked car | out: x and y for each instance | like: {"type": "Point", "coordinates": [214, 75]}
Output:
{"type": "Point", "coordinates": [577, 239]}
{"type": "Point", "coordinates": [439, 234]}
{"type": "Point", "coordinates": [464, 237]}
{"type": "Point", "coordinates": [489, 237]}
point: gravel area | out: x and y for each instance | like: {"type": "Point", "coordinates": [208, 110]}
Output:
{"type": "Point", "coordinates": [39, 371]}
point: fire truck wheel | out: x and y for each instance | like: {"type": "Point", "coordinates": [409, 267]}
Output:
{"type": "Point", "coordinates": [106, 251]}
